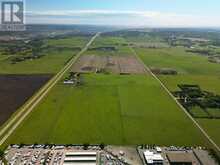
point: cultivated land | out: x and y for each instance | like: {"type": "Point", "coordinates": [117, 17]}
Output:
{"type": "Point", "coordinates": [108, 64]}
{"type": "Point", "coordinates": [209, 83]}
{"type": "Point", "coordinates": [108, 108]}
{"type": "Point", "coordinates": [192, 69]}
{"type": "Point", "coordinates": [15, 90]}
{"type": "Point", "coordinates": [112, 109]}
{"type": "Point", "coordinates": [56, 54]}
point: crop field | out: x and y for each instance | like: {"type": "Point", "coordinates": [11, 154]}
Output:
{"type": "Point", "coordinates": [108, 41]}
{"type": "Point", "coordinates": [120, 109]}
{"type": "Point", "coordinates": [179, 59]}
{"type": "Point", "coordinates": [15, 90]}
{"type": "Point", "coordinates": [111, 64]}
{"type": "Point", "coordinates": [108, 108]}
{"type": "Point", "coordinates": [198, 112]}
{"type": "Point", "coordinates": [215, 112]}
{"type": "Point", "coordinates": [111, 109]}
{"type": "Point", "coordinates": [69, 42]}
{"type": "Point", "coordinates": [146, 41]}
{"type": "Point", "coordinates": [192, 69]}
{"type": "Point", "coordinates": [206, 82]}
{"type": "Point", "coordinates": [52, 61]}
{"type": "Point", "coordinates": [49, 64]}
{"type": "Point", "coordinates": [119, 45]}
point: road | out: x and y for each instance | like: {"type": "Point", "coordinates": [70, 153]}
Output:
{"type": "Point", "coordinates": [10, 126]}
{"type": "Point", "coordinates": [177, 102]}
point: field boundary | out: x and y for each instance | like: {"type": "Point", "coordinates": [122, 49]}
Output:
{"type": "Point", "coordinates": [176, 101]}
{"type": "Point", "coordinates": [9, 128]}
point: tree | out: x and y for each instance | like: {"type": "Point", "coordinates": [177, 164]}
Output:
{"type": "Point", "coordinates": [102, 146]}
{"type": "Point", "coordinates": [2, 157]}
{"type": "Point", "coordinates": [1, 154]}
{"type": "Point", "coordinates": [85, 146]}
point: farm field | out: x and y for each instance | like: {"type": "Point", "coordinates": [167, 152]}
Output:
{"type": "Point", "coordinates": [209, 83]}
{"type": "Point", "coordinates": [55, 57]}
{"type": "Point", "coordinates": [108, 64]}
{"type": "Point", "coordinates": [110, 109]}
{"type": "Point", "coordinates": [109, 46]}
{"type": "Point", "coordinates": [108, 41]}
{"type": "Point", "coordinates": [15, 91]}
{"type": "Point", "coordinates": [192, 69]}
{"type": "Point", "coordinates": [69, 42]}
{"type": "Point", "coordinates": [49, 64]}
{"type": "Point", "coordinates": [179, 59]}
{"type": "Point", "coordinates": [120, 109]}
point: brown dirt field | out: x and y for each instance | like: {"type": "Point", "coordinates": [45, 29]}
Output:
{"type": "Point", "coordinates": [113, 64]}
{"type": "Point", "coordinates": [15, 90]}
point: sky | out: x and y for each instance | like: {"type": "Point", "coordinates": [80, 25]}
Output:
{"type": "Point", "coordinates": [147, 13]}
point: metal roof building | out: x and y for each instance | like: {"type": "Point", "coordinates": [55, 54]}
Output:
{"type": "Point", "coordinates": [152, 158]}
{"type": "Point", "coordinates": [75, 158]}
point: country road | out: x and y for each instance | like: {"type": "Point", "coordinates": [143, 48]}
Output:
{"type": "Point", "coordinates": [181, 107]}
{"type": "Point", "coordinates": [13, 123]}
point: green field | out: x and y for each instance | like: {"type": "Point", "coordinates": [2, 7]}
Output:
{"type": "Point", "coordinates": [192, 69]}
{"type": "Point", "coordinates": [119, 43]}
{"type": "Point", "coordinates": [68, 42]}
{"type": "Point", "coordinates": [179, 59]}
{"type": "Point", "coordinates": [209, 83]}
{"type": "Point", "coordinates": [214, 112]}
{"type": "Point", "coordinates": [145, 40]}
{"type": "Point", "coordinates": [112, 109]}
{"type": "Point", "coordinates": [108, 41]}
{"type": "Point", "coordinates": [51, 62]}
{"type": "Point", "coordinates": [198, 112]}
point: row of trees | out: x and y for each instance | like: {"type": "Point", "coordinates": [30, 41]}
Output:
{"type": "Point", "coordinates": [193, 95]}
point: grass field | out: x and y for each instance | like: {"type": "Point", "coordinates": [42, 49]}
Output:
{"type": "Point", "coordinates": [112, 109]}
{"type": "Point", "coordinates": [179, 59]}
{"type": "Point", "coordinates": [52, 62]}
{"type": "Point", "coordinates": [214, 112]}
{"type": "Point", "coordinates": [117, 42]}
{"type": "Point", "coordinates": [198, 112]}
{"type": "Point", "coordinates": [69, 42]}
{"type": "Point", "coordinates": [108, 108]}
{"type": "Point", "coordinates": [192, 69]}
{"type": "Point", "coordinates": [108, 41]}
{"type": "Point", "coordinates": [146, 41]}
{"type": "Point", "coordinates": [209, 83]}
{"type": "Point", "coordinates": [116, 109]}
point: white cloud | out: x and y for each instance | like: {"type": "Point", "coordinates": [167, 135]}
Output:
{"type": "Point", "coordinates": [126, 18]}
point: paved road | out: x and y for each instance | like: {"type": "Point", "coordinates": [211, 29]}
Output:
{"type": "Point", "coordinates": [177, 102]}
{"type": "Point", "coordinates": [9, 128]}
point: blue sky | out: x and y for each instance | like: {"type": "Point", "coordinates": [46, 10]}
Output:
{"type": "Point", "coordinates": [166, 13]}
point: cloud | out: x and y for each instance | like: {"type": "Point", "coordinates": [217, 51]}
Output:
{"type": "Point", "coordinates": [126, 18]}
